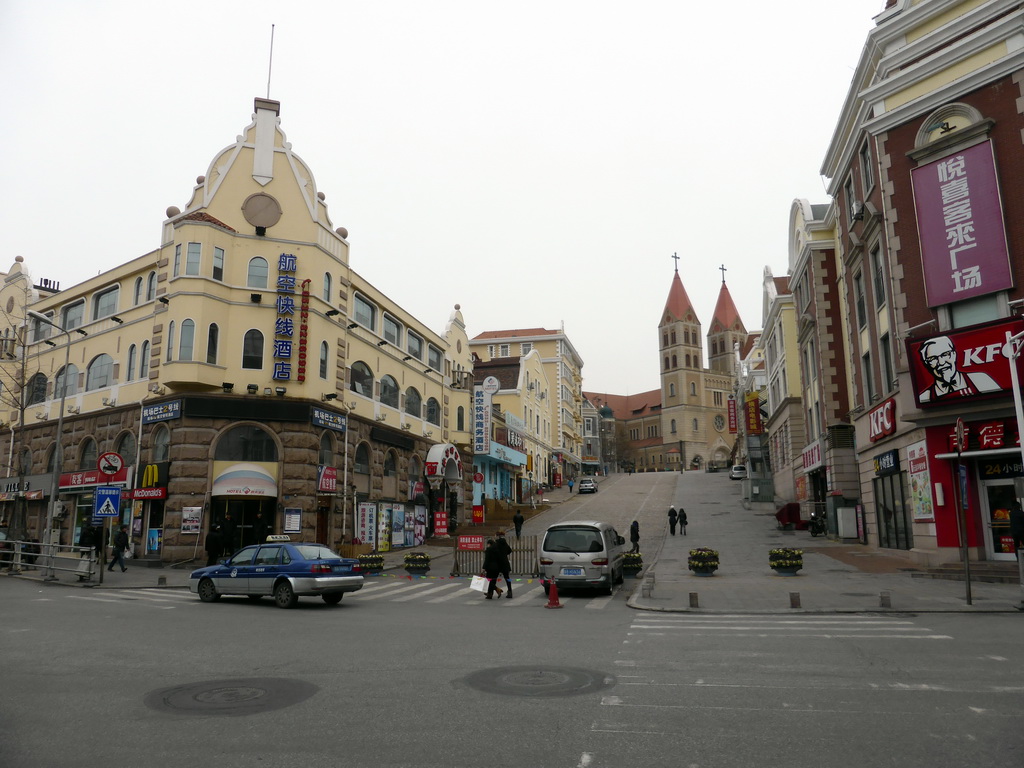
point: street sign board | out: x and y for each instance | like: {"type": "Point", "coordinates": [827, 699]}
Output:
{"type": "Point", "coordinates": [107, 501]}
{"type": "Point", "coordinates": [110, 463]}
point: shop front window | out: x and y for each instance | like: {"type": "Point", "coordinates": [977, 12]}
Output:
{"type": "Point", "coordinates": [894, 530]}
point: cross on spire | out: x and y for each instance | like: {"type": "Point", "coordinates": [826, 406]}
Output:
{"type": "Point", "coordinates": [722, 268]}
{"type": "Point", "coordinates": [676, 257]}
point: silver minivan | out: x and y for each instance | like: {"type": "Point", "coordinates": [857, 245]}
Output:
{"type": "Point", "coordinates": [581, 553]}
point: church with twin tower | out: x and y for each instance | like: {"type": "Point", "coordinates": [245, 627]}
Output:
{"type": "Point", "coordinates": [683, 425]}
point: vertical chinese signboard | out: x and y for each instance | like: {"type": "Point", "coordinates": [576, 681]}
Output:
{"type": "Point", "coordinates": [752, 413]}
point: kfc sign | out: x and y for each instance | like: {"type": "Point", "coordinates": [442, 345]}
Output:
{"type": "Point", "coordinates": [973, 364]}
{"type": "Point", "coordinates": [882, 420]}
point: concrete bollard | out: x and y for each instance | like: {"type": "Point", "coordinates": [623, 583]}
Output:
{"type": "Point", "coordinates": [885, 600]}
{"type": "Point", "coordinates": [794, 599]}
{"type": "Point", "coordinates": [694, 602]}
{"type": "Point", "coordinates": [161, 581]}
{"type": "Point", "coordinates": [646, 587]}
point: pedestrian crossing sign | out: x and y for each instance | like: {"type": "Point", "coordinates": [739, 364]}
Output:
{"type": "Point", "coordinates": [107, 502]}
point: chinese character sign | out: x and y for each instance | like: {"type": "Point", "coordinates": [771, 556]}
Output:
{"type": "Point", "coordinates": [752, 408]}
{"type": "Point", "coordinates": [960, 226]}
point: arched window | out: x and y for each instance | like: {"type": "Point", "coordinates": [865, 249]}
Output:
{"type": "Point", "coordinates": [144, 360]}
{"type": "Point", "coordinates": [35, 392]}
{"type": "Point", "coordinates": [326, 456]}
{"type": "Point", "coordinates": [675, 362]}
{"type": "Point", "coordinates": [161, 444]}
{"type": "Point", "coordinates": [327, 287]}
{"type": "Point", "coordinates": [71, 381]}
{"type": "Point", "coordinates": [361, 465]}
{"type": "Point", "coordinates": [187, 341]}
{"type": "Point", "coordinates": [252, 350]}
{"type": "Point", "coordinates": [257, 275]}
{"type": "Point", "coordinates": [100, 372]}
{"type": "Point", "coordinates": [137, 293]}
{"type": "Point", "coordinates": [693, 388]}
{"type": "Point", "coordinates": [671, 389]}
{"type": "Point", "coordinates": [390, 465]}
{"type": "Point", "coordinates": [126, 447]}
{"type": "Point", "coordinates": [673, 337]}
{"type": "Point", "coordinates": [673, 426]}
{"type": "Point", "coordinates": [51, 456]}
{"type": "Point", "coordinates": [324, 352]}
{"type": "Point", "coordinates": [151, 286]}
{"type": "Point", "coordinates": [246, 443]}
{"type": "Point", "coordinates": [362, 379]}
{"type": "Point", "coordinates": [388, 391]}
{"type": "Point", "coordinates": [170, 341]}
{"type": "Point", "coordinates": [133, 355]}
{"type": "Point", "coordinates": [694, 425]}
{"type": "Point", "coordinates": [413, 403]}
{"type": "Point", "coordinates": [460, 418]}
{"type": "Point", "coordinates": [687, 361]}
{"type": "Point", "coordinates": [212, 341]}
{"type": "Point", "coordinates": [434, 411]}
{"type": "Point", "coordinates": [87, 454]}
{"type": "Point", "coordinates": [666, 363]}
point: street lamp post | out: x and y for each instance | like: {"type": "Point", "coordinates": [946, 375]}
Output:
{"type": "Point", "coordinates": [58, 451]}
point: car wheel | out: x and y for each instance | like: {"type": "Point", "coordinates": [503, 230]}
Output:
{"type": "Point", "coordinates": [332, 598]}
{"type": "Point", "coordinates": [284, 595]}
{"type": "Point", "coordinates": [208, 592]}
{"type": "Point", "coordinates": [620, 578]}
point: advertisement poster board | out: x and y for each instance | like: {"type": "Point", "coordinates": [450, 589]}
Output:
{"type": "Point", "coordinates": [191, 520]}
{"type": "Point", "coordinates": [419, 531]}
{"type": "Point", "coordinates": [397, 525]}
{"type": "Point", "coordinates": [384, 528]}
{"type": "Point", "coordinates": [921, 505]}
{"type": "Point", "coordinates": [366, 523]}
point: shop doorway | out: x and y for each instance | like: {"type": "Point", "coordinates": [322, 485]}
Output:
{"type": "Point", "coordinates": [997, 498]}
{"type": "Point", "coordinates": [244, 521]}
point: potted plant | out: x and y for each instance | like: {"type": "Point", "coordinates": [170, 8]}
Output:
{"type": "Point", "coordinates": [371, 563]}
{"type": "Point", "coordinates": [417, 561]}
{"type": "Point", "coordinates": [786, 561]}
{"type": "Point", "coordinates": [632, 562]}
{"type": "Point", "coordinates": [703, 561]}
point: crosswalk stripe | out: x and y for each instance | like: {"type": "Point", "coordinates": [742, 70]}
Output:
{"type": "Point", "coordinates": [424, 593]}
{"type": "Point", "coordinates": [387, 593]}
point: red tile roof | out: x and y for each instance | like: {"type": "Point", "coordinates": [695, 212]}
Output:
{"type": "Point", "coordinates": [515, 333]}
{"type": "Point", "coordinates": [678, 304]}
{"type": "Point", "coordinates": [201, 216]}
{"type": "Point", "coordinates": [628, 406]}
{"type": "Point", "coordinates": [725, 309]}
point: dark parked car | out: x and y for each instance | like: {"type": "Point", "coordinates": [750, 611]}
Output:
{"type": "Point", "coordinates": [281, 568]}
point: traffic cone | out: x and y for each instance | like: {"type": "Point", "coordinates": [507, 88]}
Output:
{"type": "Point", "coordinates": [553, 596]}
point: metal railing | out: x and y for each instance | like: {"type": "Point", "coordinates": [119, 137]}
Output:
{"type": "Point", "coordinates": [21, 556]}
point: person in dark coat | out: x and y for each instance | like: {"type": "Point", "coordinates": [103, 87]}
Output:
{"type": "Point", "coordinates": [229, 529]}
{"type": "Point", "coordinates": [260, 528]}
{"type": "Point", "coordinates": [672, 520]}
{"type": "Point", "coordinates": [682, 521]}
{"type": "Point", "coordinates": [517, 521]}
{"type": "Point", "coordinates": [634, 536]}
{"type": "Point", "coordinates": [214, 545]}
{"type": "Point", "coordinates": [1017, 527]}
{"type": "Point", "coordinates": [120, 545]}
{"type": "Point", "coordinates": [492, 568]}
{"type": "Point", "coordinates": [505, 552]}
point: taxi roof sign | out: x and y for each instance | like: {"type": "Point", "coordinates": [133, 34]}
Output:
{"type": "Point", "coordinates": [278, 537]}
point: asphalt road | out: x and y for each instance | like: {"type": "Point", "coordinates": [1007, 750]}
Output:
{"type": "Point", "coordinates": [398, 676]}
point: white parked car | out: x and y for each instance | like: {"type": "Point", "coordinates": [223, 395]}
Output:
{"type": "Point", "coordinates": [738, 472]}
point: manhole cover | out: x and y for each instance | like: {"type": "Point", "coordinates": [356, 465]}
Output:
{"type": "Point", "coordinates": [539, 681]}
{"type": "Point", "coordinates": [230, 697]}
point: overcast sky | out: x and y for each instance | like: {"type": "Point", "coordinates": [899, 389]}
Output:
{"type": "Point", "coordinates": [536, 162]}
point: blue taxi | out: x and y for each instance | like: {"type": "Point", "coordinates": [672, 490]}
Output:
{"type": "Point", "coordinates": [281, 568]}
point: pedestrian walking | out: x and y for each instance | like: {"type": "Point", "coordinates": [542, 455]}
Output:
{"type": "Point", "coordinates": [491, 570]}
{"type": "Point", "coordinates": [228, 529]}
{"type": "Point", "coordinates": [634, 536]}
{"type": "Point", "coordinates": [517, 521]}
{"type": "Point", "coordinates": [672, 520]}
{"type": "Point", "coordinates": [682, 521]}
{"type": "Point", "coordinates": [120, 545]}
{"type": "Point", "coordinates": [214, 545]}
{"type": "Point", "coordinates": [570, 486]}
{"type": "Point", "coordinates": [1017, 527]}
{"type": "Point", "coordinates": [505, 564]}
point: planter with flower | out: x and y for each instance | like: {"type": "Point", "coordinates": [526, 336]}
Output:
{"type": "Point", "coordinates": [371, 563]}
{"type": "Point", "coordinates": [632, 562]}
{"type": "Point", "coordinates": [786, 561]}
{"type": "Point", "coordinates": [703, 561]}
{"type": "Point", "coordinates": [417, 562]}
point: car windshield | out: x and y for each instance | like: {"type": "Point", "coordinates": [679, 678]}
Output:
{"type": "Point", "coordinates": [572, 540]}
{"type": "Point", "coordinates": [316, 552]}
{"type": "Point", "coordinates": [243, 557]}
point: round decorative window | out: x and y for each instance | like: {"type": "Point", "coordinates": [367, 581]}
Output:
{"type": "Point", "coordinates": [719, 422]}
{"type": "Point", "coordinates": [10, 304]}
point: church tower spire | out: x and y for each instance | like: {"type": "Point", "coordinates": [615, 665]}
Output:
{"type": "Point", "coordinates": [726, 331]}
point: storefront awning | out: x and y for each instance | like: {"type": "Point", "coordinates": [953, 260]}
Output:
{"type": "Point", "coordinates": [244, 479]}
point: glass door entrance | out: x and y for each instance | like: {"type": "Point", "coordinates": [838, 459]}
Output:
{"type": "Point", "coordinates": [997, 498]}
